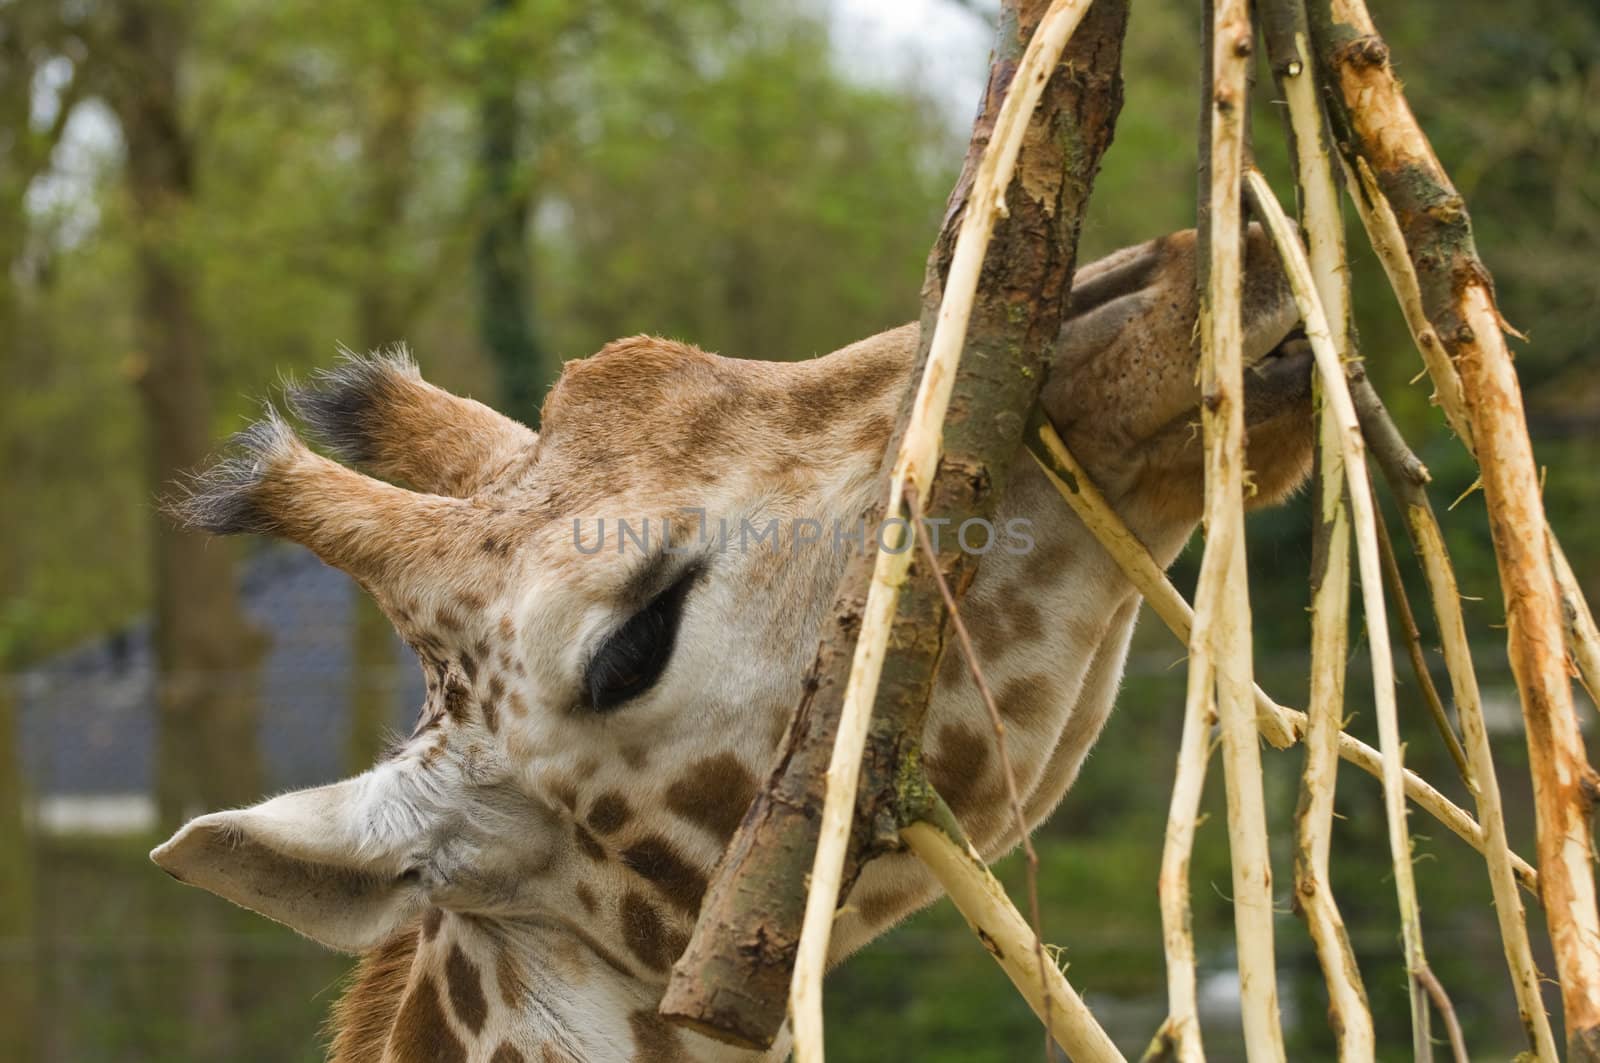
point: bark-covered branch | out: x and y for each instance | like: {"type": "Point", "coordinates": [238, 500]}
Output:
{"type": "Point", "coordinates": [733, 980]}
{"type": "Point", "coordinates": [1377, 129]}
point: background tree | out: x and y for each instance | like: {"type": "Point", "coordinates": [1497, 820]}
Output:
{"type": "Point", "coordinates": [199, 197]}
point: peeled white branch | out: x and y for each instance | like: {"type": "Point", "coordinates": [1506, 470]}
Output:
{"type": "Point", "coordinates": [982, 900]}
{"type": "Point", "coordinates": [1348, 1011]}
{"type": "Point", "coordinates": [913, 470]}
{"type": "Point", "coordinates": [1220, 644]}
{"type": "Point", "coordinates": [1338, 403]}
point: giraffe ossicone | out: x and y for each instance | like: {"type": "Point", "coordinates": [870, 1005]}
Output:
{"type": "Point", "coordinates": [522, 871]}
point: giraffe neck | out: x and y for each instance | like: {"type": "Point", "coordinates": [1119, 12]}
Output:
{"type": "Point", "coordinates": [459, 989]}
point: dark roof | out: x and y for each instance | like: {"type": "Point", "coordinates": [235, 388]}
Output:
{"type": "Point", "coordinates": [88, 715]}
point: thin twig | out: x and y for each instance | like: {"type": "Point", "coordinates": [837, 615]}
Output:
{"type": "Point", "coordinates": [1337, 394]}
{"type": "Point", "coordinates": [1447, 1012]}
{"type": "Point", "coordinates": [1008, 773]}
{"type": "Point", "coordinates": [1419, 662]}
{"type": "Point", "coordinates": [1181, 1031]}
{"type": "Point", "coordinates": [914, 467]}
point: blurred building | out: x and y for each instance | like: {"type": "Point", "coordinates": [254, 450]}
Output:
{"type": "Point", "coordinates": [89, 720]}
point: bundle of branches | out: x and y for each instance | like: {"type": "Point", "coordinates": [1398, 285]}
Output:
{"type": "Point", "coordinates": [993, 299]}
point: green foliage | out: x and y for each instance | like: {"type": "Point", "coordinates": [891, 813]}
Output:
{"type": "Point", "coordinates": [705, 169]}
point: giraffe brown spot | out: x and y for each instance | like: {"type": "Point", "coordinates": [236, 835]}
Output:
{"type": "Point", "coordinates": [466, 989]}
{"type": "Point", "coordinates": [422, 1032]}
{"type": "Point", "coordinates": [956, 763]}
{"type": "Point", "coordinates": [634, 755]}
{"type": "Point", "coordinates": [609, 813]}
{"type": "Point", "coordinates": [491, 715]}
{"type": "Point", "coordinates": [552, 1053]}
{"type": "Point", "coordinates": [872, 433]}
{"type": "Point", "coordinates": [654, 1040]}
{"type": "Point", "coordinates": [430, 923]}
{"type": "Point", "coordinates": [586, 841]}
{"type": "Point", "coordinates": [879, 908]}
{"type": "Point", "coordinates": [1027, 623]}
{"type": "Point", "coordinates": [643, 931]}
{"type": "Point", "coordinates": [1027, 699]}
{"type": "Point", "coordinates": [457, 698]}
{"type": "Point", "coordinates": [471, 601]}
{"type": "Point", "coordinates": [519, 707]}
{"type": "Point", "coordinates": [508, 978]}
{"type": "Point", "coordinates": [986, 623]}
{"type": "Point", "coordinates": [469, 666]}
{"type": "Point", "coordinates": [714, 793]}
{"type": "Point", "coordinates": [679, 881]}
{"type": "Point", "coordinates": [587, 767]}
{"type": "Point", "coordinates": [508, 627]}
{"type": "Point", "coordinates": [449, 619]}
{"type": "Point", "coordinates": [586, 898]}
{"type": "Point", "coordinates": [506, 1053]}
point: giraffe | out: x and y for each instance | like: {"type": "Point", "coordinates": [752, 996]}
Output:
{"type": "Point", "coordinates": [520, 873]}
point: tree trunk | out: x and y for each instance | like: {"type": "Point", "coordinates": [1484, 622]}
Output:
{"type": "Point", "coordinates": [503, 262]}
{"type": "Point", "coordinates": [207, 654]}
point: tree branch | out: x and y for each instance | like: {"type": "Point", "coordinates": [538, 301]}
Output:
{"type": "Point", "coordinates": [1378, 131]}
{"type": "Point", "coordinates": [733, 979]}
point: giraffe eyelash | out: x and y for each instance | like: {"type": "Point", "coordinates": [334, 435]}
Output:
{"type": "Point", "coordinates": [632, 657]}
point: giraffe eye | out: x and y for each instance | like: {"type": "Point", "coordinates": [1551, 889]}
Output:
{"type": "Point", "coordinates": [633, 657]}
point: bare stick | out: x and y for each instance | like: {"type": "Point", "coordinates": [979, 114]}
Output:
{"type": "Point", "coordinates": [1134, 559]}
{"type": "Point", "coordinates": [1323, 226]}
{"type": "Point", "coordinates": [1181, 1031]}
{"type": "Point", "coordinates": [913, 469]}
{"type": "Point", "coordinates": [1447, 1011]}
{"type": "Point", "coordinates": [1338, 402]}
{"type": "Point", "coordinates": [1407, 480]}
{"type": "Point", "coordinates": [1419, 663]}
{"type": "Point", "coordinates": [1221, 640]}
{"type": "Point", "coordinates": [1007, 772]}
{"type": "Point", "coordinates": [938, 843]}
{"type": "Point", "coordinates": [1457, 296]}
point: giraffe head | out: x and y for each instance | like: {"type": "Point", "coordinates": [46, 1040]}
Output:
{"type": "Point", "coordinates": [614, 617]}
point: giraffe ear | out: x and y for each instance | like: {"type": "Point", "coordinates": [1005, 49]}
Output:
{"type": "Point", "coordinates": [327, 862]}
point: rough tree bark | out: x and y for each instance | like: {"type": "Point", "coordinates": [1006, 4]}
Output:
{"type": "Point", "coordinates": [1376, 129]}
{"type": "Point", "coordinates": [733, 980]}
